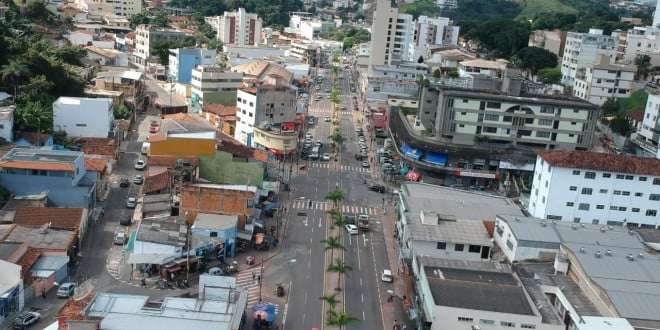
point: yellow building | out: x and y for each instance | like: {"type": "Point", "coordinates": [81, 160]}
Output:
{"type": "Point", "coordinates": [182, 144]}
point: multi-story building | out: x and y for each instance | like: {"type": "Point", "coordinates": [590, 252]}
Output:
{"type": "Point", "coordinates": [184, 60]}
{"type": "Point", "coordinates": [266, 114]}
{"type": "Point", "coordinates": [431, 31]}
{"type": "Point", "coordinates": [581, 49]}
{"type": "Point", "coordinates": [383, 32]}
{"type": "Point", "coordinates": [110, 7]}
{"type": "Point", "coordinates": [308, 52]}
{"type": "Point", "coordinates": [647, 136]}
{"type": "Point", "coordinates": [146, 34]}
{"type": "Point", "coordinates": [602, 81]}
{"type": "Point", "coordinates": [214, 85]}
{"type": "Point", "coordinates": [599, 188]}
{"type": "Point", "coordinates": [466, 116]}
{"type": "Point", "coordinates": [83, 117]}
{"type": "Point", "coordinates": [656, 15]}
{"type": "Point", "coordinates": [552, 41]}
{"type": "Point", "coordinates": [237, 28]}
{"type": "Point", "coordinates": [639, 41]}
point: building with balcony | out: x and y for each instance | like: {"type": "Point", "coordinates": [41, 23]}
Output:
{"type": "Point", "coordinates": [383, 28]}
{"type": "Point", "coordinates": [146, 34]}
{"type": "Point", "coordinates": [431, 31]}
{"type": "Point", "coordinates": [110, 7]}
{"type": "Point", "coordinates": [581, 49]}
{"type": "Point", "coordinates": [183, 60]}
{"type": "Point", "coordinates": [214, 85]}
{"type": "Point", "coordinates": [60, 173]}
{"type": "Point", "coordinates": [237, 28]}
{"type": "Point", "coordinates": [642, 40]}
{"type": "Point", "coordinates": [602, 80]}
{"type": "Point", "coordinates": [598, 188]}
{"type": "Point", "coordinates": [647, 136]}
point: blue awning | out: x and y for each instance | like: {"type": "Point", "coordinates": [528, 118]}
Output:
{"type": "Point", "coordinates": [436, 158]}
{"type": "Point", "coordinates": [411, 151]}
{"type": "Point", "coordinates": [271, 206]}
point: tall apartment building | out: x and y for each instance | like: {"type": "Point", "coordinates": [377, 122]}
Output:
{"type": "Point", "coordinates": [383, 30]}
{"type": "Point", "coordinates": [110, 7]}
{"type": "Point", "coordinates": [581, 49]}
{"type": "Point", "coordinates": [182, 61]}
{"type": "Point", "coordinates": [214, 85]}
{"type": "Point", "coordinates": [237, 28]}
{"type": "Point", "coordinates": [647, 136]}
{"type": "Point", "coordinates": [431, 31]}
{"type": "Point", "coordinates": [604, 80]}
{"type": "Point", "coordinates": [640, 40]}
{"type": "Point", "coordinates": [598, 188]}
{"type": "Point", "coordinates": [146, 34]}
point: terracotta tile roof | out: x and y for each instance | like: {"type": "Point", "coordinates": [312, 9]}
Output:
{"type": "Point", "coordinates": [72, 309]}
{"type": "Point", "coordinates": [98, 146]}
{"type": "Point", "coordinates": [170, 161]}
{"type": "Point", "coordinates": [602, 162]}
{"type": "Point", "coordinates": [130, 35]}
{"type": "Point", "coordinates": [228, 144]}
{"type": "Point", "coordinates": [157, 182]}
{"type": "Point", "coordinates": [27, 261]}
{"type": "Point", "coordinates": [220, 110]}
{"type": "Point", "coordinates": [181, 116]}
{"type": "Point", "coordinates": [38, 166]}
{"type": "Point", "coordinates": [83, 32]}
{"type": "Point", "coordinates": [637, 114]}
{"type": "Point", "coordinates": [58, 217]}
{"type": "Point", "coordinates": [95, 164]}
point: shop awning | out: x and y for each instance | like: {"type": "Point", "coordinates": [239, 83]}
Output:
{"type": "Point", "coordinates": [436, 158]}
{"type": "Point", "coordinates": [150, 258]}
{"type": "Point", "coordinates": [413, 176]}
{"type": "Point", "coordinates": [173, 269]}
{"type": "Point", "coordinates": [411, 151]}
{"type": "Point", "coordinates": [280, 152]}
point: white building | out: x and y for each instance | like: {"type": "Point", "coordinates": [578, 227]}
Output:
{"type": "Point", "coordinates": [110, 7]}
{"type": "Point", "coordinates": [602, 80]}
{"type": "Point", "coordinates": [214, 85]}
{"type": "Point", "coordinates": [83, 117]}
{"type": "Point", "coordinates": [7, 122]}
{"type": "Point", "coordinates": [641, 40]}
{"type": "Point", "coordinates": [647, 136]}
{"type": "Point", "coordinates": [598, 188]}
{"type": "Point", "coordinates": [656, 15]}
{"type": "Point", "coordinates": [581, 49]}
{"type": "Point", "coordinates": [237, 28]}
{"type": "Point", "coordinates": [146, 34]}
{"type": "Point", "coordinates": [431, 31]}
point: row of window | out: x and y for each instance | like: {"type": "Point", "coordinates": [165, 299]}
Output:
{"type": "Point", "coordinates": [459, 247]}
{"type": "Point", "coordinates": [502, 323]}
{"type": "Point", "coordinates": [589, 191]}
{"type": "Point", "coordinates": [592, 175]}
{"type": "Point", "coordinates": [587, 206]}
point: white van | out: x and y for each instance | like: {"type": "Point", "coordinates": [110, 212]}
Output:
{"type": "Point", "coordinates": [145, 148]}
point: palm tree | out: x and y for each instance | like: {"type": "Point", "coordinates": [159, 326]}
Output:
{"type": "Point", "coordinates": [332, 243]}
{"type": "Point", "coordinates": [34, 117]}
{"type": "Point", "coordinates": [336, 196]}
{"type": "Point", "coordinates": [341, 268]}
{"type": "Point", "coordinates": [340, 318]}
{"type": "Point", "coordinates": [13, 72]}
{"type": "Point", "coordinates": [331, 300]}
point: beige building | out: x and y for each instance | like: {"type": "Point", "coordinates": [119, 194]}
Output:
{"type": "Point", "coordinates": [110, 7]}
{"type": "Point", "coordinates": [382, 33]}
{"type": "Point", "coordinates": [552, 41]}
{"type": "Point", "coordinates": [603, 80]}
{"type": "Point", "coordinates": [237, 28]}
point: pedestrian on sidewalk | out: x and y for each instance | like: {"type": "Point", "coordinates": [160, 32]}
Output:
{"type": "Point", "coordinates": [143, 283]}
{"type": "Point", "coordinates": [253, 275]}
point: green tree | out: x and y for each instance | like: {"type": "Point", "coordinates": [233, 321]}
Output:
{"type": "Point", "coordinates": [70, 54]}
{"type": "Point", "coordinates": [332, 243]}
{"type": "Point", "coordinates": [504, 38]}
{"type": "Point", "coordinates": [331, 300]}
{"type": "Point", "coordinates": [437, 73]}
{"type": "Point", "coordinates": [423, 7]}
{"type": "Point", "coordinates": [621, 125]}
{"type": "Point", "coordinates": [161, 19]}
{"type": "Point", "coordinates": [36, 89]}
{"type": "Point", "coordinates": [549, 75]}
{"type": "Point", "coordinates": [340, 319]}
{"type": "Point", "coordinates": [139, 18]}
{"type": "Point", "coordinates": [341, 268]}
{"type": "Point", "coordinates": [34, 117]}
{"type": "Point", "coordinates": [535, 58]}
{"type": "Point", "coordinates": [37, 10]}
{"type": "Point", "coordinates": [14, 72]}
{"type": "Point", "coordinates": [643, 63]}
{"type": "Point", "coordinates": [610, 107]}
{"type": "Point", "coordinates": [121, 112]}
{"type": "Point", "coordinates": [215, 43]}
{"type": "Point", "coordinates": [62, 138]}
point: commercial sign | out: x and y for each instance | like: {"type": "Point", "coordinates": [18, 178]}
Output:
{"type": "Point", "coordinates": [478, 175]}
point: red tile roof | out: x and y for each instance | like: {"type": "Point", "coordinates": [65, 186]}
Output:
{"type": "Point", "coordinates": [27, 261]}
{"type": "Point", "coordinates": [220, 110]}
{"type": "Point", "coordinates": [72, 309]}
{"type": "Point", "coordinates": [95, 164]}
{"type": "Point", "coordinates": [601, 162]}
{"type": "Point", "coordinates": [157, 182]}
{"type": "Point", "coordinates": [37, 166]}
{"type": "Point", "coordinates": [58, 217]}
{"type": "Point", "coordinates": [637, 114]}
{"type": "Point", "coordinates": [181, 117]}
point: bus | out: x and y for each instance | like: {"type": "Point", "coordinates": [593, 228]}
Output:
{"type": "Point", "coordinates": [314, 154]}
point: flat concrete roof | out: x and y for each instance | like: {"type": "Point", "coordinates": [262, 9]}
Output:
{"type": "Point", "coordinates": [466, 232]}
{"type": "Point", "coordinates": [167, 231]}
{"type": "Point", "coordinates": [50, 239]}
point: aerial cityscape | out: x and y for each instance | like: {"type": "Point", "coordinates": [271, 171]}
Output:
{"type": "Point", "coordinates": [347, 164]}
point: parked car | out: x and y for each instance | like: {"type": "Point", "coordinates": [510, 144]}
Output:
{"type": "Point", "coordinates": [377, 188]}
{"type": "Point", "coordinates": [359, 157]}
{"type": "Point", "coordinates": [352, 229]}
{"type": "Point", "coordinates": [326, 156]}
{"type": "Point", "coordinates": [386, 276]}
{"type": "Point", "coordinates": [131, 202]}
{"type": "Point", "coordinates": [125, 220]}
{"type": "Point", "coordinates": [308, 136]}
{"type": "Point", "coordinates": [140, 164]}
{"type": "Point", "coordinates": [327, 119]}
{"type": "Point", "coordinates": [311, 121]}
{"type": "Point", "coordinates": [138, 179]}
{"type": "Point", "coordinates": [25, 320]}
{"type": "Point", "coordinates": [215, 271]}
{"type": "Point", "coordinates": [365, 164]}
{"type": "Point", "coordinates": [66, 290]}
{"type": "Point", "coordinates": [124, 182]}
{"type": "Point", "coordinates": [120, 238]}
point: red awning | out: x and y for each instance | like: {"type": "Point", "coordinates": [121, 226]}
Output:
{"type": "Point", "coordinates": [413, 176]}
{"type": "Point", "coordinates": [275, 151]}
{"type": "Point", "coordinates": [289, 126]}
{"type": "Point", "coordinates": [173, 269]}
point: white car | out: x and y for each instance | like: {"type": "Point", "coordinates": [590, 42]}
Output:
{"type": "Point", "coordinates": [308, 136]}
{"type": "Point", "coordinates": [131, 202]}
{"type": "Point", "coordinates": [352, 229]}
{"type": "Point", "coordinates": [141, 164]}
{"type": "Point", "coordinates": [386, 276]}
{"type": "Point", "coordinates": [326, 156]}
{"type": "Point", "coordinates": [327, 119]}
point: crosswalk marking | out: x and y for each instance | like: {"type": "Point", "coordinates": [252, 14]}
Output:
{"type": "Point", "coordinates": [343, 167]}
{"type": "Point", "coordinates": [326, 206]}
{"type": "Point", "coordinates": [244, 279]}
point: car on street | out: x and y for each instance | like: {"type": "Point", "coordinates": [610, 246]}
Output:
{"type": "Point", "coordinates": [351, 229]}
{"type": "Point", "coordinates": [307, 145]}
{"type": "Point", "coordinates": [120, 238]}
{"type": "Point", "coordinates": [308, 136]}
{"type": "Point", "coordinates": [327, 119]}
{"type": "Point", "coordinates": [319, 144]}
{"type": "Point", "coordinates": [131, 202]}
{"type": "Point", "coordinates": [311, 121]}
{"type": "Point", "coordinates": [140, 164]}
{"type": "Point", "coordinates": [359, 157]}
{"type": "Point", "coordinates": [215, 271]}
{"type": "Point", "coordinates": [25, 320]}
{"type": "Point", "coordinates": [66, 290]}
{"type": "Point", "coordinates": [153, 129]}
{"type": "Point", "coordinates": [138, 179]}
{"type": "Point", "coordinates": [124, 182]}
{"type": "Point", "coordinates": [326, 156]}
{"type": "Point", "coordinates": [386, 276]}
{"type": "Point", "coordinates": [377, 188]}
{"type": "Point", "coordinates": [125, 220]}
{"type": "Point", "coordinates": [365, 164]}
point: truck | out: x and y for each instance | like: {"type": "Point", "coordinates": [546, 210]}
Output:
{"type": "Point", "coordinates": [363, 222]}
{"type": "Point", "coordinates": [314, 154]}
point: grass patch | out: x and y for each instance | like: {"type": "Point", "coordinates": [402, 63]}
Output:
{"type": "Point", "coordinates": [531, 8]}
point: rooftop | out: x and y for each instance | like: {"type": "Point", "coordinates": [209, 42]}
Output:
{"type": "Point", "coordinates": [49, 239]}
{"type": "Point", "coordinates": [55, 217]}
{"type": "Point", "coordinates": [456, 203]}
{"type": "Point", "coordinates": [475, 285]}
{"type": "Point", "coordinates": [167, 230]}
{"type": "Point", "coordinates": [605, 162]}
{"type": "Point", "coordinates": [40, 159]}
{"type": "Point", "coordinates": [261, 68]}
{"type": "Point", "coordinates": [466, 232]}
{"type": "Point", "coordinates": [497, 64]}
{"type": "Point", "coordinates": [214, 221]}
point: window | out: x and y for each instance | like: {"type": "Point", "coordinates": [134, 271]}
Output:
{"type": "Point", "coordinates": [635, 209]}
{"type": "Point", "coordinates": [622, 208]}
{"type": "Point", "coordinates": [465, 319]}
{"type": "Point", "coordinates": [642, 178]}
{"type": "Point", "coordinates": [654, 197]}
{"type": "Point", "coordinates": [589, 175]}
{"type": "Point", "coordinates": [509, 244]}
{"type": "Point", "coordinates": [482, 321]}
{"type": "Point", "coordinates": [490, 129]}
{"type": "Point", "coordinates": [81, 125]}
{"type": "Point", "coordinates": [545, 122]}
{"type": "Point", "coordinates": [583, 207]}
{"type": "Point", "coordinates": [613, 207]}
{"type": "Point", "coordinates": [572, 188]}
{"type": "Point", "coordinates": [441, 246]}
{"type": "Point", "coordinates": [459, 247]}
{"type": "Point", "coordinates": [576, 172]}
{"type": "Point", "coordinates": [656, 181]}
{"type": "Point", "coordinates": [508, 324]}
{"type": "Point", "coordinates": [626, 193]}
{"type": "Point", "coordinates": [491, 117]}
{"type": "Point", "coordinates": [607, 175]}
{"type": "Point", "coordinates": [651, 213]}
{"type": "Point", "coordinates": [587, 191]}
{"type": "Point", "coordinates": [527, 326]}
{"type": "Point", "coordinates": [499, 231]}
{"type": "Point", "coordinates": [543, 134]}
{"type": "Point", "coordinates": [474, 248]}
{"type": "Point", "coordinates": [547, 109]}
{"type": "Point", "coordinates": [600, 207]}
{"type": "Point", "coordinates": [620, 176]}
{"type": "Point", "coordinates": [629, 177]}
{"type": "Point", "coordinates": [639, 194]}
{"type": "Point", "coordinates": [603, 191]}
{"type": "Point", "coordinates": [570, 203]}
{"type": "Point", "coordinates": [617, 192]}
{"type": "Point", "coordinates": [595, 221]}
{"type": "Point", "coordinates": [493, 105]}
